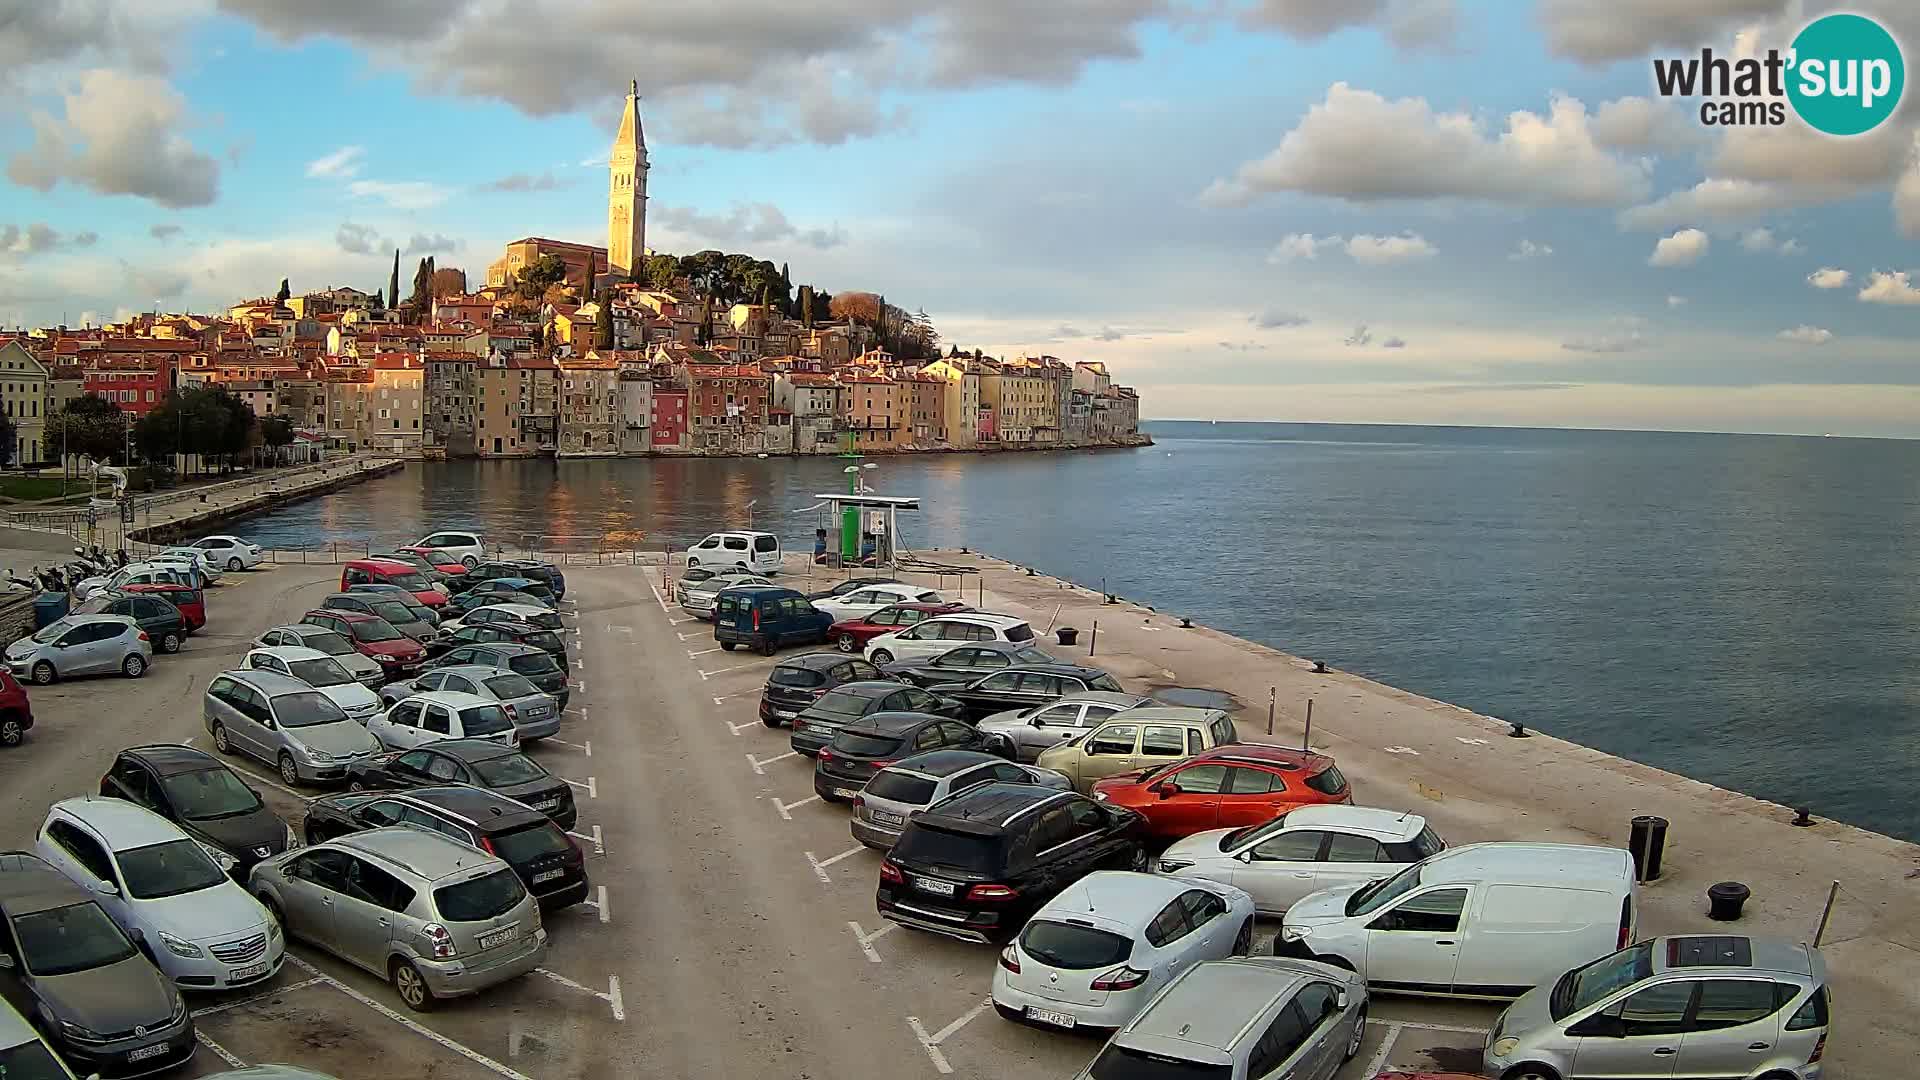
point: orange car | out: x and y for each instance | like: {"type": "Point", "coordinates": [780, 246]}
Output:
{"type": "Point", "coordinates": [1225, 788]}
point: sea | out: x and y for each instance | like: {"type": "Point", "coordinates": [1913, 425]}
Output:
{"type": "Point", "coordinates": [1741, 609]}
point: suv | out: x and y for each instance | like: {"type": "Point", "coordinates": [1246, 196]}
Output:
{"type": "Point", "coordinates": [512, 630]}
{"type": "Point", "coordinates": [415, 622]}
{"type": "Point", "coordinates": [1138, 739]}
{"type": "Point", "coordinates": [438, 917]}
{"type": "Point", "coordinates": [874, 742]}
{"type": "Point", "coordinates": [1241, 784]}
{"type": "Point", "coordinates": [545, 573]}
{"type": "Point", "coordinates": [546, 858]}
{"type": "Point", "coordinates": [534, 664]}
{"type": "Point", "coordinates": [910, 785]}
{"type": "Point", "coordinates": [468, 547]}
{"type": "Point", "coordinates": [1022, 733]}
{"type": "Point", "coordinates": [373, 637]}
{"type": "Point", "coordinates": [978, 864]}
{"type": "Point", "coordinates": [284, 722]}
{"type": "Point", "coordinates": [936, 635]}
{"type": "Point", "coordinates": [1707, 1005]}
{"type": "Point", "coordinates": [196, 791]}
{"type": "Point", "coordinates": [327, 640]}
{"type": "Point", "coordinates": [799, 681]}
{"type": "Point", "coordinates": [814, 728]}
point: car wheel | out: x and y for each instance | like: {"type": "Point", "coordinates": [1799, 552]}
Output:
{"type": "Point", "coordinates": [289, 773]}
{"type": "Point", "coordinates": [133, 666]}
{"type": "Point", "coordinates": [1137, 862]}
{"type": "Point", "coordinates": [355, 785]}
{"type": "Point", "coordinates": [693, 563]}
{"type": "Point", "coordinates": [11, 733]}
{"type": "Point", "coordinates": [1243, 942]}
{"type": "Point", "coordinates": [233, 565]}
{"type": "Point", "coordinates": [1530, 1071]}
{"type": "Point", "coordinates": [411, 987]}
{"type": "Point", "coordinates": [846, 643]}
{"type": "Point", "coordinates": [170, 642]}
{"type": "Point", "coordinates": [43, 674]}
{"type": "Point", "coordinates": [728, 645]}
{"type": "Point", "coordinates": [220, 742]}
{"type": "Point", "coordinates": [767, 647]}
{"type": "Point", "coordinates": [469, 561]}
{"type": "Point", "coordinates": [881, 656]}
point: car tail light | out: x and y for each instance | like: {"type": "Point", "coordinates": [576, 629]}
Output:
{"type": "Point", "coordinates": [143, 636]}
{"type": "Point", "coordinates": [512, 713]}
{"type": "Point", "coordinates": [1819, 1048]}
{"type": "Point", "coordinates": [878, 765]}
{"type": "Point", "coordinates": [890, 872]}
{"type": "Point", "coordinates": [1120, 978]}
{"type": "Point", "coordinates": [826, 755]}
{"type": "Point", "coordinates": [992, 892]}
{"type": "Point", "coordinates": [859, 801]}
{"type": "Point", "coordinates": [1010, 959]}
{"type": "Point", "coordinates": [440, 939]}
{"type": "Point", "coordinates": [1626, 937]}
{"type": "Point", "coordinates": [486, 845]}
{"type": "Point", "coordinates": [799, 724]}
{"type": "Point", "coordinates": [756, 618]}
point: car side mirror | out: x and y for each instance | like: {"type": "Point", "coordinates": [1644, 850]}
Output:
{"type": "Point", "coordinates": [6, 962]}
{"type": "Point", "coordinates": [106, 888]}
{"type": "Point", "coordinates": [1599, 1026]}
{"type": "Point", "coordinates": [1167, 789]}
{"type": "Point", "coordinates": [1245, 856]}
{"type": "Point", "coordinates": [1038, 721]}
{"type": "Point", "coordinates": [1339, 998]}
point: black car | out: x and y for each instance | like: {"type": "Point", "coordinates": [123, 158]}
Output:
{"type": "Point", "coordinates": [549, 863]}
{"type": "Point", "coordinates": [799, 681]}
{"type": "Point", "coordinates": [199, 793]}
{"type": "Point", "coordinates": [966, 662]}
{"type": "Point", "coordinates": [536, 665]}
{"type": "Point", "coordinates": [851, 585]}
{"type": "Point", "coordinates": [868, 745]}
{"type": "Point", "coordinates": [164, 624]}
{"type": "Point", "coordinates": [508, 630]}
{"type": "Point", "coordinates": [1024, 686]}
{"type": "Point", "coordinates": [468, 761]}
{"type": "Point", "coordinates": [977, 865]}
{"type": "Point", "coordinates": [66, 966]}
{"type": "Point", "coordinates": [842, 705]}
{"type": "Point", "coordinates": [545, 573]}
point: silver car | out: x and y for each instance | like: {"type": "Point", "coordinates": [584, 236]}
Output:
{"type": "Point", "coordinates": [911, 785]}
{"type": "Point", "coordinates": [1021, 734]}
{"type": "Point", "coordinates": [418, 625]}
{"type": "Point", "coordinates": [1709, 1005]}
{"type": "Point", "coordinates": [698, 598]}
{"type": "Point", "coordinates": [437, 917]}
{"type": "Point", "coordinates": [534, 714]}
{"type": "Point", "coordinates": [1248, 1018]}
{"type": "Point", "coordinates": [81, 645]}
{"type": "Point", "coordinates": [286, 723]}
{"type": "Point", "coordinates": [327, 640]}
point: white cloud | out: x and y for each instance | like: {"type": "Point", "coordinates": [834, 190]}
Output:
{"type": "Point", "coordinates": [1596, 33]}
{"type": "Point", "coordinates": [431, 243]}
{"type": "Point", "coordinates": [40, 238]}
{"type": "Point", "coordinates": [1719, 200]}
{"type": "Point", "coordinates": [1763, 240]}
{"type": "Point", "coordinates": [1361, 147]}
{"type": "Point", "coordinates": [1643, 124]}
{"type": "Point", "coordinates": [1409, 24]}
{"type": "Point", "coordinates": [745, 223]}
{"type": "Point", "coordinates": [1676, 301]}
{"type": "Point", "coordinates": [1806, 335]}
{"type": "Point", "coordinates": [400, 194]}
{"type": "Point", "coordinates": [1300, 246]}
{"type": "Point", "coordinates": [1387, 250]}
{"type": "Point", "coordinates": [1829, 277]}
{"type": "Point", "coordinates": [1530, 250]}
{"type": "Point", "coordinates": [119, 137]}
{"type": "Point", "coordinates": [359, 239]}
{"type": "Point", "coordinates": [1360, 336]}
{"type": "Point", "coordinates": [1274, 318]}
{"type": "Point", "coordinates": [1625, 335]}
{"type": "Point", "coordinates": [342, 164]}
{"type": "Point", "coordinates": [1890, 287]}
{"type": "Point", "coordinates": [1683, 248]}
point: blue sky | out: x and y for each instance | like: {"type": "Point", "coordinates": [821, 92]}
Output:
{"type": "Point", "coordinates": [1355, 210]}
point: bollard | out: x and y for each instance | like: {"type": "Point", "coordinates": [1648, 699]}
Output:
{"type": "Point", "coordinates": [1725, 900]}
{"type": "Point", "coordinates": [1647, 842]}
{"type": "Point", "coordinates": [1803, 817]}
{"type": "Point", "coordinates": [1306, 738]}
{"type": "Point", "coordinates": [1319, 667]}
{"type": "Point", "coordinates": [1094, 638]}
{"type": "Point", "coordinates": [1067, 635]}
{"type": "Point", "coordinates": [1517, 730]}
{"type": "Point", "coordinates": [1186, 623]}
{"type": "Point", "coordinates": [1271, 691]}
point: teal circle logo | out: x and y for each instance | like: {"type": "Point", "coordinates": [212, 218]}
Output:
{"type": "Point", "coordinates": [1845, 74]}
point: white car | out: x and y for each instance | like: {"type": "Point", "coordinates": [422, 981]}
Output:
{"type": "Point", "coordinates": [443, 714]}
{"type": "Point", "coordinates": [231, 552]}
{"type": "Point", "coordinates": [169, 892]}
{"type": "Point", "coordinates": [468, 547]}
{"type": "Point", "coordinates": [862, 602]}
{"type": "Point", "coordinates": [1097, 953]}
{"type": "Point", "coordinates": [141, 573]}
{"type": "Point", "coordinates": [544, 618]}
{"type": "Point", "coordinates": [323, 673]}
{"type": "Point", "coordinates": [188, 556]}
{"type": "Point", "coordinates": [926, 640]}
{"type": "Point", "coordinates": [1304, 851]}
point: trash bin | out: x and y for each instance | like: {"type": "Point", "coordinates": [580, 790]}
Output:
{"type": "Point", "coordinates": [1725, 900]}
{"type": "Point", "coordinates": [50, 606]}
{"type": "Point", "coordinates": [1647, 840]}
{"type": "Point", "coordinates": [1066, 635]}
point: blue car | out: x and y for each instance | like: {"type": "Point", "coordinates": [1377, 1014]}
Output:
{"type": "Point", "coordinates": [765, 617]}
{"type": "Point", "coordinates": [494, 590]}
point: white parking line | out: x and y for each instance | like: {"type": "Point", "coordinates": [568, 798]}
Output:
{"type": "Point", "coordinates": [782, 808]}
{"type": "Point", "coordinates": [688, 637]}
{"type": "Point", "coordinates": [738, 728]}
{"type": "Point", "coordinates": [275, 784]}
{"type": "Point", "coordinates": [759, 766]}
{"type": "Point", "coordinates": [599, 847]}
{"type": "Point", "coordinates": [222, 1052]}
{"type": "Point", "coordinates": [866, 940]}
{"type": "Point", "coordinates": [611, 997]}
{"type": "Point", "coordinates": [695, 654]}
{"type": "Point", "coordinates": [820, 865]}
{"type": "Point", "coordinates": [704, 674]}
{"type": "Point", "coordinates": [580, 662]}
{"type": "Point", "coordinates": [721, 700]}
{"type": "Point", "coordinates": [932, 1042]}
{"type": "Point", "coordinates": [1379, 1060]}
{"type": "Point", "coordinates": [612, 629]}
{"type": "Point", "coordinates": [600, 902]}
{"type": "Point", "coordinates": [589, 787]}
{"type": "Point", "coordinates": [585, 747]}
{"type": "Point", "coordinates": [410, 1024]}
{"type": "Point", "coordinates": [663, 600]}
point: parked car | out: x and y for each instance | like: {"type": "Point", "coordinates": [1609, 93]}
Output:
{"type": "Point", "coordinates": [977, 865]}
{"type": "Point", "coordinates": [877, 740]}
{"type": "Point", "coordinates": [1098, 952]}
{"type": "Point", "coordinates": [193, 557]}
{"type": "Point", "coordinates": [165, 890]}
{"type": "Point", "coordinates": [910, 785]}
{"type": "Point", "coordinates": [368, 571]}
{"type": "Point", "coordinates": [534, 714]}
{"type": "Point", "coordinates": [549, 863]}
{"type": "Point", "coordinates": [535, 665]}
{"type": "Point", "coordinates": [1025, 686]}
{"type": "Point", "coordinates": [487, 765]}
{"type": "Point", "coordinates": [1250, 1018]}
{"type": "Point", "coordinates": [1138, 739]}
{"type": "Point", "coordinates": [191, 602]}
{"type": "Point", "coordinates": [231, 551]}
{"type": "Point", "coordinates": [546, 573]}
{"type": "Point", "coordinates": [436, 917]}
{"type": "Point", "coordinates": [103, 1008]}
{"type": "Point", "coordinates": [398, 615]}
{"type": "Point", "coordinates": [513, 590]}
{"type": "Point", "coordinates": [1304, 851]}
{"type": "Point", "coordinates": [471, 600]}
{"type": "Point", "coordinates": [1021, 734]}
{"type": "Point", "coordinates": [851, 635]}
{"type": "Point", "coordinates": [1708, 1005]}
{"type": "Point", "coordinates": [284, 722]}
{"type": "Point", "coordinates": [374, 638]}
{"type": "Point", "coordinates": [468, 547]}
{"type": "Point", "coordinates": [842, 588]}
{"type": "Point", "coordinates": [755, 552]}
{"type": "Point", "coordinates": [445, 563]}
{"type": "Point", "coordinates": [1484, 920]}
{"type": "Point", "coordinates": [141, 574]}
{"type": "Point", "coordinates": [531, 614]}
{"type": "Point", "coordinates": [874, 598]}
{"type": "Point", "coordinates": [323, 673]}
{"type": "Point", "coordinates": [16, 711]}
{"type": "Point", "coordinates": [440, 715]}
{"type": "Point", "coordinates": [765, 617]}
{"type": "Point", "coordinates": [324, 639]}
{"type": "Point", "coordinates": [932, 637]}
{"type": "Point", "coordinates": [443, 574]}
{"type": "Point", "coordinates": [799, 681]}
{"type": "Point", "coordinates": [81, 645]}
{"type": "Point", "coordinates": [1227, 787]}
{"type": "Point", "coordinates": [163, 624]}
{"type": "Point", "coordinates": [964, 662]}
{"type": "Point", "coordinates": [698, 598]}
{"type": "Point", "coordinates": [384, 591]}
{"type": "Point", "coordinates": [504, 630]}
{"type": "Point", "coordinates": [200, 794]}
{"type": "Point", "coordinates": [817, 723]}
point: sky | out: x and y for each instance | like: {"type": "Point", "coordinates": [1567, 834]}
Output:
{"type": "Point", "coordinates": [1397, 211]}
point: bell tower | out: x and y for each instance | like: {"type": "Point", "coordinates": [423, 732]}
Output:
{"type": "Point", "coordinates": [627, 190]}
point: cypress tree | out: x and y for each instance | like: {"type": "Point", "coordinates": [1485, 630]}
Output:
{"type": "Point", "coordinates": [393, 284]}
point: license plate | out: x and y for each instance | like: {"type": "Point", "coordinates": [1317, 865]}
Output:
{"type": "Point", "coordinates": [547, 804]}
{"type": "Point", "coordinates": [884, 818]}
{"type": "Point", "coordinates": [1048, 1016]}
{"type": "Point", "coordinates": [499, 937]}
{"type": "Point", "coordinates": [537, 714]}
{"type": "Point", "coordinates": [145, 1052]}
{"type": "Point", "coordinates": [844, 793]}
{"type": "Point", "coordinates": [251, 971]}
{"type": "Point", "coordinates": [785, 714]}
{"type": "Point", "coordinates": [938, 888]}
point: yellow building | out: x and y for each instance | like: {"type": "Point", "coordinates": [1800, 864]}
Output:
{"type": "Point", "coordinates": [878, 412]}
{"type": "Point", "coordinates": [24, 392]}
{"type": "Point", "coordinates": [961, 414]}
{"type": "Point", "coordinates": [1018, 398]}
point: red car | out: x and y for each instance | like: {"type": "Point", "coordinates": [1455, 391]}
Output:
{"type": "Point", "coordinates": [1226, 788]}
{"type": "Point", "coordinates": [16, 713]}
{"type": "Point", "coordinates": [388, 572]}
{"type": "Point", "coordinates": [852, 635]}
{"type": "Point", "coordinates": [373, 637]}
{"type": "Point", "coordinates": [191, 601]}
{"type": "Point", "coordinates": [440, 560]}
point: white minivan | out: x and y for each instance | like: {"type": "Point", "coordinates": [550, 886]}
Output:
{"type": "Point", "coordinates": [753, 552]}
{"type": "Point", "coordinates": [1485, 920]}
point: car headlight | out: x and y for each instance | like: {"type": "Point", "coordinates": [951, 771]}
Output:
{"type": "Point", "coordinates": [1099, 796]}
{"type": "Point", "coordinates": [1503, 1047]}
{"type": "Point", "coordinates": [386, 659]}
{"type": "Point", "coordinates": [179, 1009]}
{"type": "Point", "coordinates": [293, 839]}
{"type": "Point", "coordinates": [224, 861]}
{"type": "Point", "coordinates": [1168, 866]}
{"type": "Point", "coordinates": [273, 928]}
{"type": "Point", "coordinates": [181, 946]}
{"type": "Point", "coordinates": [79, 1033]}
{"type": "Point", "coordinates": [311, 754]}
{"type": "Point", "coordinates": [1295, 933]}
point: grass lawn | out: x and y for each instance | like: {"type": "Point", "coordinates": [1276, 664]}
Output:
{"type": "Point", "coordinates": [37, 487]}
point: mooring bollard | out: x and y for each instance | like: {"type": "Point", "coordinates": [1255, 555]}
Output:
{"type": "Point", "coordinates": [1647, 842]}
{"type": "Point", "coordinates": [1725, 900]}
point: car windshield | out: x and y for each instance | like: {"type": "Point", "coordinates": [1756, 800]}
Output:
{"type": "Point", "coordinates": [532, 842]}
{"type": "Point", "coordinates": [327, 672]}
{"type": "Point", "coordinates": [900, 787]}
{"type": "Point", "coordinates": [53, 630]}
{"type": "Point", "coordinates": [841, 703]}
{"type": "Point", "coordinates": [61, 941]}
{"type": "Point", "coordinates": [1021, 632]}
{"type": "Point", "coordinates": [1074, 947]}
{"type": "Point", "coordinates": [508, 687]}
{"type": "Point", "coordinates": [409, 580]}
{"type": "Point", "coordinates": [1252, 833]}
{"type": "Point", "coordinates": [1376, 895]}
{"type": "Point", "coordinates": [1125, 1063]}
{"type": "Point", "coordinates": [394, 611]}
{"type": "Point", "coordinates": [545, 620]}
{"type": "Point", "coordinates": [958, 851]}
{"type": "Point", "coordinates": [305, 709]}
{"type": "Point", "coordinates": [168, 869]}
{"type": "Point", "coordinates": [31, 1061]}
{"type": "Point", "coordinates": [508, 770]}
{"type": "Point", "coordinates": [481, 898]}
{"type": "Point", "coordinates": [329, 643]}
{"type": "Point", "coordinates": [484, 720]}
{"type": "Point", "coordinates": [542, 639]}
{"type": "Point", "coordinates": [848, 742]}
{"type": "Point", "coordinates": [1582, 987]}
{"type": "Point", "coordinates": [209, 794]}
{"type": "Point", "coordinates": [371, 630]}
{"type": "Point", "coordinates": [800, 677]}
{"type": "Point", "coordinates": [533, 664]}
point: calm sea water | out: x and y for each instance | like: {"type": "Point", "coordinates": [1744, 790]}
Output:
{"type": "Point", "coordinates": [1744, 610]}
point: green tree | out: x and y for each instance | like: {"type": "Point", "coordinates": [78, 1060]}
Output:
{"type": "Point", "coordinates": [284, 292]}
{"type": "Point", "coordinates": [544, 273]}
{"type": "Point", "coordinates": [662, 269]}
{"type": "Point", "coordinates": [276, 433]}
{"type": "Point", "coordinates": [786, 292]}
{"type": "Point", "coordinates": [9, 439]}
{"type": "Point", "coordinates": [379, 304]}
{"type": "Point", "coordinates": [603, 323]}
{"type": "Point", "coordinates": [393, 284]}
{"type": "Point", "coordinates": [89, 426]}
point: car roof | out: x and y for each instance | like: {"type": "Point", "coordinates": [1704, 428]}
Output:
{"type": "Point", "coordinates": [270, 683]}
{"type": "Point", "coordinates": [383, 564]}
{"type": "Point", "coordinates": [944, 607]}
{"type": "Point", "coordinates": [470, 750]}
{"type": "Point", "coordinates": [1128, 702]}
{"type": "Point", "coordinates": [740, 532]}
{"type": "Point", "coordinates": [471, 671]}
{"type": "Point", "coordinates": [889, 723]}
{"type": "Point", "coordinates": [452, 699]}
{"type": "Point", "coordinates": [757, 588]}
{"type": "Point", "coordinates": [989, 807]}
{"type": "Point", "coordinates": [512, 609]}
{"type": "Point", "coordinates": [508, 648]}
{"type": "Point", "coordinates": [304, 629]}
{"type": "Point", "coordinates": [513, 580]}
{"type": "Point", "coordinates": [1115, 899]}
{"type": "Point", "coordinates": [870, 688]}
{"type": "Point", "coordinates": [1170, 714]}
{"type": "Point", "coordinates": [289, 653]}
{"type": "Point", "coordinates": [1285, 757]}
{"type": "Point", "coordinates": [1078, 671]}
{"type": "Point", "coordinates": [426, 853]}
{"type": "Point", "coordinates": [1387, 826]}
{"type": "Point", "coordinates": [172, 759]}
{"type": "Point", "coordinates": [92, 618]}
{"type": "Point", "coordinates": [1217, 1003]}
{"type": "Point", "coordinates": [123, 824]}
{"type": "Point", "coordinates": [348, 614]}
{"type": "Point", "coordinates": [1731, 951]}
{"type": "Point", "coordinates": [814, 661]}
{"type": "Point", "coordinates": [478, 805]}
{"type": "Point", "coordinates": [1531, 863]}
{"type": "Point", "coordinates": [983, 618]}
{"type": "Point", "coordinates": [30, 883]}
{"type": "Point", "coordinates": [936, 764]}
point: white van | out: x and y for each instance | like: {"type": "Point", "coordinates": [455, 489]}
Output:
{"type": "Point", "coordinates": [1485, 920]}
{"type": "Point", "coordinates": [753, 552]}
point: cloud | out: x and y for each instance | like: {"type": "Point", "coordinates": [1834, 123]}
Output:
{"type": "Point", "coordinates": [1683, 248]}
{"type": "Point", "coordinates": [1630, 29]}
{"type": "Point", "coordinates": [1275, 318]}
{"type": "Point", "coordinates": [400, 194]}
{"type": "Point", "coordinates": [163, 231]}
{"type": "Point", "coordinates": [40, 239]}
{"type": "Point", "coordinates": [1394, 343]}
{"type": "Point", "coordinates": [1358, 146]}
{"type": "Point", "coordinates": [1530, 250]}
{"type": "Point", "coordinates": [1829, 277]}
{"type": "Point", "coordinates": [59, 34]}
{"type": "Point", "coordinates": [1763, 240]}
{"type": "Point", "coordinates": [745, 223]}
{"type": "Point", "coordinates": [1806, 335]}
{"type": "Point", "coordinates": [1906, 200]}
{"type": "Point", "coordinates": [1300, 246]}
{"type": "Point", "coordinates": [1642, 124]}
{"type": "Point", "coordinates": [359, 239]}
{"type": "Point", "coordinates": [1361, 336]}
{"type": "Point", "coordinates": [520, 181]}
{"type": "Point", "coordinates": [1387, 250]}
{"type": "Point", "coordinates": [1889, 287]}
{"type": "Point", "coordinates": [118, 137]}
{"type": "Point", "coordinates": [437, 243]}
{"type": "Point", "coordinates": [1409, 24]}
{"type": "Point", "coordinates": [1719, 200]}
{"type": "Point", "coordinates": [1676, 301]}
{"type": "Point", "coordinates": [158, 283]}
{"type": "Point", "coordinates": [1626, 339]}
{"type": "Point", "coordinates": [342, 164]}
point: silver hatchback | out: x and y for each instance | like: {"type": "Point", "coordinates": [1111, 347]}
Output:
{"type": "Point", "coordinates": [282, 721]}
{"type": "Point", "coordinates": [912, 784]}
{"type": "Point", "coordinates": [81, 645]}
{"type": "Point", "coordinates": [535, 715]}
{"type": "Point", "coordinates": [436, 917]}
